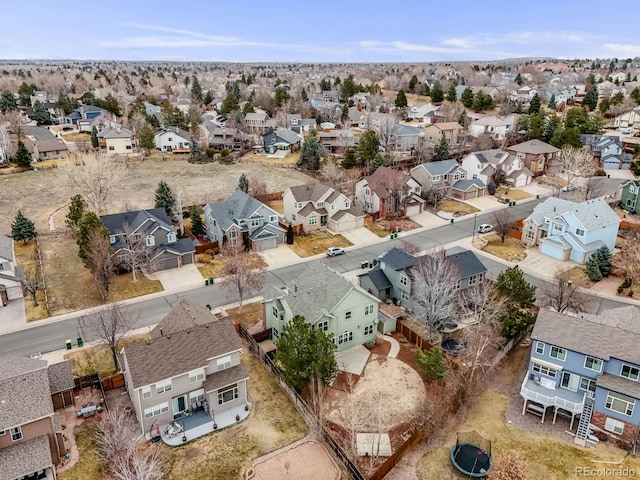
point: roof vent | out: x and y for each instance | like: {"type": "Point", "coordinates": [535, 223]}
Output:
{"type": "Point", "coordinates": [161, 333]}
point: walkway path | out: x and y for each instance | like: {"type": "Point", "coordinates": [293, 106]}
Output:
{"type": "Point", "coordinates": [395, 346]}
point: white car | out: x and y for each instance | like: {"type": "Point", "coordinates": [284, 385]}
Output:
{"type": "Point", "coordinates": [485, 228]}
{"type": "Point", "coordinates": [333, 251]}
{"type": "Point", "coordinates": [568, 188]}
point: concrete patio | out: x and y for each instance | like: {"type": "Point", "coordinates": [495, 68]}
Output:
{"type": "Point", "coordinates": [353, 360]}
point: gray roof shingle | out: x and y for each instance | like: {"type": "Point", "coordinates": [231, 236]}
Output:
{"type": "Point", "coordinates": [6, 247]}
{"type": "Point", "coordinates": [468, 263]}
{"type": "Point", "coordinates": [398, 259]}
{"type": "Point", "coordinates": [26, 457]}
{"type": "Point", "coordinates": [60, 377]}
{"type": "Point", "coordinates": [311, 192]}
{"type": "Point", "coordinates": [225, 377]}
{"type": "Point", "coordinates": [186, 314]}
{"type": "Point", "coordinates": [440, 168]}
{"type": "Point", "coordinates": [535, 147]}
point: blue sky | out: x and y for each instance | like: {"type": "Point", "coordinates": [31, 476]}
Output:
{"type": "Point", "coordinates": [320, 31]}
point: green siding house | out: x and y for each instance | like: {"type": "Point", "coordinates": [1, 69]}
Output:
{"type": "Point", "coordinates": [327, 301]}
{"type": "Point", "coordinates": [629, 196]}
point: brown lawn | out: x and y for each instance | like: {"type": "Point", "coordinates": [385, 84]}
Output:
{"type": "Point", "coordinates": [25, 258]}
{"type": "Point", "coordinates": [509, 250]}
{"type": "Point", "coordinates": [513, 193]}
{"type": "Point", "coordinates": [318, 242]}
{"type": "Point", "coordinates": [450, 205]}
{"type": "Point", "coordinates": [88, 467]}
{"type": "Point", "coordinates": [251, 314]}
{"type": "Point", "coordinates": [289, 160]}
{"type": "Point", "coordinates": [378, 229]}
{"type": "Point", "coordinates": [277, 205]}
{"type": "Point", "coordinates": [212, 267]}
{"type": "Point", "coordinates": [579, 278]}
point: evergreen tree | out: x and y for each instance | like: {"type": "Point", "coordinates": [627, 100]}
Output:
{"type": "Point", "coordinates": [22, 157]}
{"type": "Point", "coordinates": [344, 114]}
{"type": "Point", "coordinates": [401, 99]}
{"type": "Point", "coordinates": [462, 118]}
{"type": "Point", "coordinates": [426, 91]}
{"type": "Point", "coordinates": [196, 155]}
{"type": "Point", "coordinates": [514, 321]}
{"type": "Point", "coordinates": [467, 97]}
{"type": "Point", "coordinates": [243, 183]}
{"type": "Point", "coordinates": [378, 161]}
{"type": "Point", "coordinates": [8, 102]}
{"type": "Point", "coordinates": [511, 283]}
{"type": "Point", "coordinates": [452, 96]}
{"type": "Point", "coordinates": [437, 94]}
{"type": "Point", "coordinates": [534, 104]}
{"type": "Point", "coordinates": [94, 137]}
{"type": "Point", "coordinates": [518, 79]}
{"type": "Point", "coordinates": [24, 93]}
{"type": "Point", "coordinates": [442, 150]}
{"type": "Point", "coordinates": [552, 102]}
{"type": "Point", "coordinates": [604, 260]}
{"type": "Point", "coordinates": [349, 160]}
{"type": "Point", "coordinates": [208, 98]}
{"type": "Point", "coordinates": [40, 114]}
{"type": "Point", "coordinates": [230, 104]}
{"type": "Point", "coordinates": [165, 198]}
{"type": "Point", "coordinates": [311, 154]}
{"type": "Point", "coordinates": [22, 228]}
{"type": "Point", "coordinates": [196, 90]}
{"type": "Point", "coordinates": [432, 362]}
{"type": "Point", "coordinates": [368, 146]}
{"type": "Point", "coordinates": [592, 269]}
{"type": "Point", "coordinates": [77, 209]}
{"type": "Point", "coordinates": [413, 83]}
{"type": "Point", "coordinates": [89, 223]}
{"type": "Point", "coordinates": [146, 137]}
{"type": "Point", "coordinates": [591, 98]}
{"type": "Point", "coordinates": [197, 225]}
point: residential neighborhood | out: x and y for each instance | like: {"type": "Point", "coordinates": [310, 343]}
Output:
{"type": "Point", "coordinates": [229, 253]}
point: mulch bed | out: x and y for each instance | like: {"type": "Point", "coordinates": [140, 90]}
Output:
{"type": "Point", "coordinates": [345, 381]}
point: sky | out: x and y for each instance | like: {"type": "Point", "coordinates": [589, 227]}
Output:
{"type": "Point", "coordinates": [317, 31]}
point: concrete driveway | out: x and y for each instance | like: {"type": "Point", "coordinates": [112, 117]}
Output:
{"type": "Point", "coordinates": [13, 317]}
{"type": "Point", "coordinates": [280, 256]}
{"type": "Point", "coordinates": [360, 236]}
{"type": "Point", "coordinates": [428, 219]}
{"type": "Point", "coordinates": [177, 278]}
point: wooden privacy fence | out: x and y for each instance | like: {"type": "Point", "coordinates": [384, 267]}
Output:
{"type": "Point", "coordinates": [113, 382]}
{"type": "Point", "coordinates": [397, 456]}
{"type": "Point", "coordinates": [269, 197]}
{"type": "Point", "coordinates": [412, 336]}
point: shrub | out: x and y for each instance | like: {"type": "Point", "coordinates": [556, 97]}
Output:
{"type": "Point", "coordinates": [216, 250]}
{"type": "Point", "coordinates": [209, 152]}
{"type": "Point", "coordinates": [626, 283]}
{"type": "Point", "coordinates": [600, 173]}
{"type": "Point", "coordinates": [620, 290]}
{"type": "Point", "coordinates": [432, 362]}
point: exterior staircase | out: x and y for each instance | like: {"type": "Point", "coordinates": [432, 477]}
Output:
{"type": "Point", "coordinates": [584, 430]}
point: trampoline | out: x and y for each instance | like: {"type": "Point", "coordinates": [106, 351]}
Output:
{"type": "Point", "coordinates": [471, 454]}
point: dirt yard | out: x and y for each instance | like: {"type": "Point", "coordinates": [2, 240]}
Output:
{"type": "Point", "coordinates": [306, 460]}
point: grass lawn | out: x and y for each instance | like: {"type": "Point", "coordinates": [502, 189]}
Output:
{"type": "Point", "coordinates": [544, 456]}
{"type": "Point", "coordinates": [88, 466]}
{"type": "Point", "coordinates": [317, 242]}
{"type": "Point", "coordinates": [450, 205]}
{"type": "Point", "coordinates": [579, 278]}
{"type": "Point", "coordinates": [24, 258]}
{"type": "Point", "coordinates": [251, 314]}
{"type": "Point", "coordinates": [509, 250]}
{"type": "Point", "coordinates": [277, 205]}
{"type": "Point", "coordinates": [227, 453]}
{"type": "Point", "coordinates": [77, 137]}
{"type": "Point", "coordinates": [377, 229]}
{"type": "Point", "coordinates": [124, 287]}
{"type": "Point", "coordinates": [513, 193]}
{"type": "Point", "coordinates": [291, 159]}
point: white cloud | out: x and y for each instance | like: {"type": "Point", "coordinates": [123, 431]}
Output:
{"type": "Point", "coordinates": [626, 48]}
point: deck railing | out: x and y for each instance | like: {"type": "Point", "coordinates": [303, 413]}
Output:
{"type": "Point", "coordinates": [551, 400]}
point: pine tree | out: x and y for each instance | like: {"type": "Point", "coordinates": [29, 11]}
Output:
{"type": "Point", "coordinates": [442, 150]}
{"type": "Point", "coordinates": [165, 198]}
{"type": "Point", "coordinates": [452, 96]}
{"type": "Point", "coordinates": [552, 102]}
{"type": "Point", "coordinates": [378, 161]}
{"type": "Point", "coordinates": [401, 99]}
{"type": "Point", "coordinates": [518, 79]}
{"type": "Point", "coordinates": [467, 97]}
{"type": "Point", "coordinates": [243, 183]}
{"type": "Point", "coordinates": [89, 223]}
{"type": "Point", "coordinates": [196, 90]}
{"type": "Point", "coordinates": [603, 259]}
{"type": "Point", "coordinates": [592, 269]}
{"type": "Point", "coordinates": [534, 104]}
{"type": "Point", "coordinates": [22, 228]}
{"type": "Point", "coordinates": [437, 94]}
{"type": "Point", "coordinates": [195, 155]}
{"type": "Point", "coordinates": [412, 83]}
{"type": "Point", "coordinates": [94, 137]}
{"type": "Point", "coordinates": [22, 157]}
{"type": "Point", "coordinates": [146, 137]}
{"type": "Point", "coordinates": [40, 114]}
{"type": "Point", "coordinates": [311, 154]}
{"type": "Point", "coordinates": [462, 118]}
{"type": "Point", "coordinates": [349, 160]}
{"type": "Point", "coordinates": [77, 209]}
{"type": "Point", "coordinates": [432, 362]}
{"type": "Point", "coordinates": [8, 102]}
{"type": "Point", "coordinates": [197, 226]}
{"type": "Point", "coordinates": [344, 115]}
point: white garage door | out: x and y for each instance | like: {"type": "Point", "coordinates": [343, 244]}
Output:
{"type": "Point", "coordinates": [413, 210]}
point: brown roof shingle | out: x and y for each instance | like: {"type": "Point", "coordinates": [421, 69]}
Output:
{"type": "Point", "coordinates": [24, 458]}
{"type": "Point", "coordinates": [60, 377]}
{"type": "Point", "coordinates": [225, 377]}
{"type": "Point", "coordinates": [185, 315]}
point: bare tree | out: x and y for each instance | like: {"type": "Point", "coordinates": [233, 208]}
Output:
{"type": "Point", "coordinates": [178, 208]}
{"type": "Point", "coordinates": [435, 285]}
{"type": "Point", "coordinates": [95, 176]}
{"type": "Point", "coordinates": [434, 195]}
{"type": "Point", "coordinates": [503, 223]}
{"type": "Point", "coordinates": [100, 261]}
{"type": "Point", "coordinates": [628, 259]}
{"type": "Point", "coordinates": [242, 275]}
{"type": "Point", "coordinates": [137, 256]}
{"type": "Point", "coordinates": [331, 171]}
{"type": "Point", "coordinates": [111, 325]}
{"type": "Point", "coordinates": [577, 162]}
{"type": "Point", "coordinates": [32, 280]}
{"type": "Point", "coordinates": [562, 295]}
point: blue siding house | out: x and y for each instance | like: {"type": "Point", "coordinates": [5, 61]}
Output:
{"type": "Point", "coordinates": [571, 231]}
{"type": "Point", "coordinates": [587, 367]}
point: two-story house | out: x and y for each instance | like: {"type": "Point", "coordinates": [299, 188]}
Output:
{"type": "Point", "coordinates": [388, 192]}
{"type": "Point", "coordinates": [173, 139]}
{"type": "Point", "coordinates": [232, 139]}
{"type": "Point", "coordinates": [535, 154]}
{"type": "Point", "coordinates": [484, 164]}
{"type": "Point", "coordinates": [149, 231]}
{"type": "Point", "coordinates": [114, 141]}
{"type": "Point", "coordinates": [190, 363]}
{"type": "Point", "coordinates": [281, 139]}
{"type": "Point", "coordinates": [587, 366]}
{"type": "Point", "coordinates": [607, 150]}
{"type": "Point", "coordinates": [243, 219]}
{"type": "Point", "coordinates": [84, 112]}
{"type": "Point", "coordinates": [494, 127]}
{"type": "Point", "coordinates": [31, 438]}
{"type": "Point", "coordinates": [392, 277]}
{"type": "Point", "coordinates": [629, 192]}
{"type": "Point", "coordinates": [337, 140]}
{"type": "Point", "coordinates": [451, 131]}
{"type": "Point", "coordinates": [328, 302]}
{"type": "Point", "coordinates": [571, 231]}
{"type": "Point", "coordinates": [404, 138]}
{"type": "Point", "coordinates": [316, 206]}
{"type": "Point", "coordinates": [10, 274]}
{"type": "Point", "coordinates": [258, 122]}
{"type": "Point", "coordinates": [523, 94]}
{"type": "Point", "coordinates": [449, 176]}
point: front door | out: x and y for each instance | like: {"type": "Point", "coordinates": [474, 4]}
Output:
{"type": "Point", "coordinates": [179, 405]}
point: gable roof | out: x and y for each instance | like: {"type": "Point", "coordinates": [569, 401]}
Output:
{"type": "Point", "coordinates": [378, 278]}
{"type": "Point", "coordinates": [39, 133]}
{"type": "Point", "coordinates": [468, 263]}
{"type": "Point", "coordinates": [176, 131]}
{"type": "Point", "coordinates": [490, 121]}
{"type": "Point", "coordinates": [592, 214]}
{"type": "Point", "coordinates": [183, 316]}
{"type": "Point", "coordinates": [385, 179]}
{"type": "Point", "coordinates": [398, 259]}
{"type": "Point", "coordinates": [115, 133]}
{"type": "Point", "coordinates": [60, 377]}
{"type": "Point", "coordinates": [285, 134]}
{"type": "Point", "coordinates": [534, 147]}
{"type": "Point", "coordinates": [465, 184]}
{"type": "Point", "coordinates": [310, 192]}
{"type": "Point", "coordinates": [441, 167]}
{"type": "Point", "coordinates": [116, 222]}
{"type": "Point", "coordinates": [23, 458]}
{"type": "Point", "coordinates": [238, 206]}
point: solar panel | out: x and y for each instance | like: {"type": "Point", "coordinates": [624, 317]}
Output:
{"type": "Point", "coordinates": [482, 158]}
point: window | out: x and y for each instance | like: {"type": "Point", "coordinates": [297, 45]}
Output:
{"type": "Point", "coordinates": [633, 189]}
{"type": "Point", "coordinates": [557, 227]}
{"type": "Point", "coordinates": [347, 315]}
{"type": "Point", "coordinates": [146, 392]}
{"type": "Point", "coordinates": [390, 205]}
{"type": "Point", "coordinates": [345, 337]}
{"type": "Point", "coordinates": [544, 369]}
{"type": "Point", "coordinates": [275, 333]}
{"type": "Point", "coordinates": [435, 178]}
{"type": "Point", "coordinates": [613, 425]}
{"type": "Point", "coordinates": [631, 203]}
{"type": "Point", "coordinates": [404, 295]}
{"type": "Point", "coordinates": [368, 329]}
{"type": "Point", "coordinates": [112, 148]}
{"type": "Point", "coordinates": [156, 410]}
{"type": "Point", "coordinates": [274, 311]}
{"type": "Point", "coordinates": [473, 279]}
{"type": "Point", "coordinates": [368, 309]}
{"type": "Point", "coordinates": [151, 241]}
{"type": "Point", "coordinates": [570, 381]}
{"type": "Point", "coordinates": [255, 222]}
{"type": "Point", "coordinates": [403, 280]}
{"type": "Point", "coordinates": [540, 348]}
{"type": "Point", "coordinates": [333, 206]}
{"type": "Point", "coordinates": [620, 403]}
{"type": "Point", "coordinates": [273, 218]}
{"type": "Point", "coordinates": [594, 364]}
{"type": "Point", "coordinates": [298, 205]}
{"type": "Point", "coordinates": [313, 220]}
{"type": "Point", "coordinates": [171, 237]}
{"type": "Point", "coordinates": [233, 234]}
{"type": "Point", "coordinates": [588, 384]}
{"type": "Point", "coordinates": [228, 394]}
{"type": "Point", "coordinates": [224, 362]}
{"type": "Point", "coordinates": [474, 176]}
{"type": "Point", "coordinates": [630, 372]}
{"type": "Point", "coordinates": [559, 353]}
{"type": "Point", "coordinates": [164, 386]}
{"type": "Point", "coordinates": [324, 326]}
{"type": "Point", "coordinates": [580, 232]}
{"type": "Point", "coordinates": [122, 257]}
{"type": "Point", "coordinates": [530, 231]}
{"type": "Point", "coordinates": [347, 204]}
{"type": "Point", "coordinates": [112, 239]}
{"type": "Point", "coordinates": [16, 434]}
{"type": "Point", "coordinates": [196, 375]}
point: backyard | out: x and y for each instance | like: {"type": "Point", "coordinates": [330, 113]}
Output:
{"type": "Point", "coordinates": [317, 242]}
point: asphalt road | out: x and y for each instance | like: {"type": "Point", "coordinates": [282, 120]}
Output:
{"type": "Point", "coordinates": [52, 336]}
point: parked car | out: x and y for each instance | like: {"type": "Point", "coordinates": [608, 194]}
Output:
{"type": "Point", "coordinates": [568, 188]}
{"type": "Point", "coordinates": [485, 228]}
{"type": "Point", "coordinates": [333, 251]}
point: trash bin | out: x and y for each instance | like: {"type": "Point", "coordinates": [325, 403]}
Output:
{"type": "Point", "coordinates": [391, 236]}
{"type": "Point", "coordinates": [68, 343]}
{"type": "Point", "coordinates": [206, 281]}
{"type": "Point", "coordinates": [210, 280]}
{"type": "Point", "coordinates": [80, 342]}
{"type": "Point", "coordinates": [451, 220]}
{"type": "Point", "coordinates": [364, 264]}
{"type": "Point", "coordinates": [208, 306]}
{"type": "Point", "coordinates": [538, 196]}
{"type": "Point", "coordinates": [375, 262]}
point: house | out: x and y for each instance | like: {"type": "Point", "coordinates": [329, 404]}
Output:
{"type": "Point", "coordinates": [404, 138]}
{"type": "Point", "coordinates": [388, 192]}
{"type": "Point", "coordinates": [627, 119]}
{"type": "Point", "coordinates": [535, 154]}
{"type": "Point", "coordinates": [316, 206]}
{"type": "Point", "coordinates": [587, 366]}
{"type": "Point", "coordinates": [10, 274]}
{"type": "Point", "coordinates": [190, 363]}
{"type": "Point", "coordinates": [258, 121]}
{"type": "Point", "coordinates": [39, 96]}
{"type": "Point", "coordinates": [115, 141]}
{"type": "Point", "coordinates": [491, 126]}
{"type": "Point", "coordinates": [281, 139]}
{"type": "Point", "coordinates": [173, 139]}
{"type": "Point", "coordinates": [449, 176]}
{"type": "Point", "coordinates": [630, 190]}
{"type": "Point", "coordinates": [31, 438]}
{"type": "Point", "coordinates": [50, 149]}
{"type": "Point", "coordinates": [607, 150]}
{"type": "Point", "coordinates": [232, 139]}
{"type": "Point", "coordinates": [328, 302]}
{"type": "Point", "coordinates": [151, 231]}
{"type": "Point", "coordinates": [242, 218]}
{"type": "Point", "coordinates": [571, 231]}
{"type": "Point", "coordinates": [523, 94]}
{"type": "Point", "coordinates": [337, 140]}
{"type": "Point", "coordinates": [484, 164]}
{"type": "Point", "coordinates": [392, 277]}
{"type": "Point", "coordinates": [451, 131]}
{"type": "Point", "coordinates": [85, 112]}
